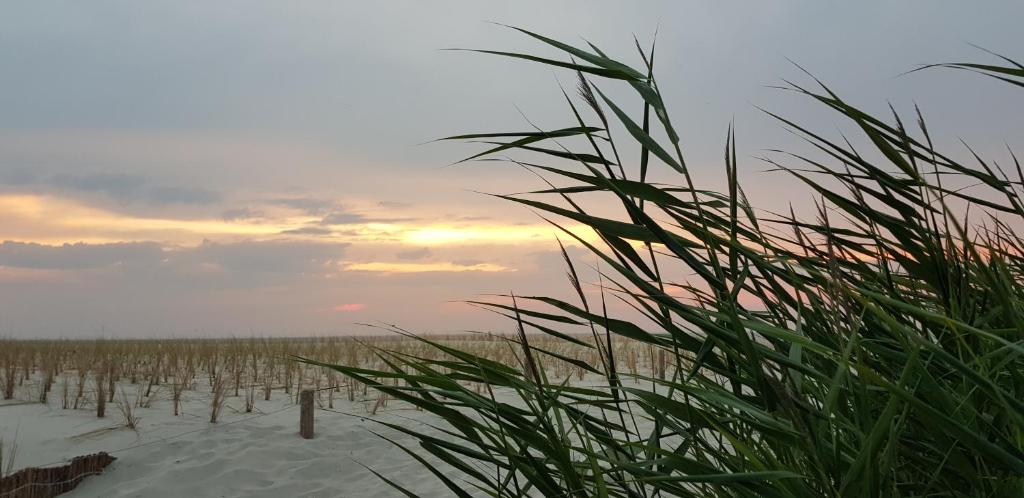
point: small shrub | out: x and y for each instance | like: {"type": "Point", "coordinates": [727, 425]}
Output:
{"type": "Point", "coordinates": [128, 417]}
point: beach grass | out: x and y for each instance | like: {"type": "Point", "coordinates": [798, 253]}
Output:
{"type": "Point", "coordinates": [873, 348]}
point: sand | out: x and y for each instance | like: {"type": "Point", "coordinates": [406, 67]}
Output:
{"type": "Point", "coordinates": [256, 454]}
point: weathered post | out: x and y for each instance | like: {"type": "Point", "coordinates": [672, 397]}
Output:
{"type": "Point", "coordinates": [306, 414]}
{"type": "Point", "coordinates": [101, 397]}
{"type": "Point", "coordinates": [661, 364]}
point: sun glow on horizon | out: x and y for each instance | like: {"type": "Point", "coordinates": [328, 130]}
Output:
{"type": "Point", "coordinates": [52, 220]}
{"type": "Point", "coordinates": [445, 235]}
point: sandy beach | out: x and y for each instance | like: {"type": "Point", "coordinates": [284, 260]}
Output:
{"type": "Point", "coordinates": [244, 454]}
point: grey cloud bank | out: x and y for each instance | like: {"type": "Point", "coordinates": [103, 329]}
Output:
{"type": "Point", "coordinates": [119, 187]}
{"type": "Point", "coordinates": [284, 257]}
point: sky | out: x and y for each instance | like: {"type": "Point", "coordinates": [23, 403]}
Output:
{"type": "Point", "coordinates": [186, 168]}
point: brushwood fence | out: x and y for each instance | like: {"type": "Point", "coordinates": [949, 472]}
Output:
{"type": "Point", "coordinates": [36, 482]}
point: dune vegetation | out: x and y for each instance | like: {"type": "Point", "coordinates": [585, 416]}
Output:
{"type": "Point", "coordinates": [222, 416]}
{"type": "Point", "coordinates": [871, 349]}
{"type": "Point", "coordinates": [150, 373]}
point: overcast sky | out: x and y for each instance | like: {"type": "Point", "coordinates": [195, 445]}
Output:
{"type": "Point", "coordinates": [212, 168]}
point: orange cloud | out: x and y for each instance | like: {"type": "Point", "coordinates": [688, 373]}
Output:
{"type": "Point", "coordinates": [54, 220]}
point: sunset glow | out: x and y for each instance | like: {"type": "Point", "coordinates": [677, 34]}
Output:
{"type": "Point", "coordinates": [276, 172]}
{"type": "Point", "coordinates": [349, 307]}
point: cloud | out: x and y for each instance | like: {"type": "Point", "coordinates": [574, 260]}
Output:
{"type": "Point", "coordinates": [181, 195]}
{"type": "Point", "coordinates": [78, 256]}
{"type": "Point", "coordinates": [348, 218]}
{"type": "Point", "coordinates": [330, 211]}
{"type": "Point", "coordinates": [472, 218]}
{"type": "Point", "coordinates": [247, 257]}
{"type": "Point", "coordinates": [243, 213]}
{"type": "Point", "coordinates": [308, 205]}
{"type": "Point", "coordinates": [308, 230]}
{"type": "Point", "coordinates": [447, 267]}
{"type": "Point", "coordinates": [125, 188]}
{"type": "Point", "coordinates": [342, 218]}
{"type": "Point", "coordinates": [18, 176]}
{"type": "Point", "coordinates": [267, 256]}
{"type": "Point", "coordinates": [349, 307]}
{"type": "Point", "coordinates": [117, 186]}
{"type": "Point", "coordinates": [414, 254]}
{"type": "Point", "coordinates": [394, 204]}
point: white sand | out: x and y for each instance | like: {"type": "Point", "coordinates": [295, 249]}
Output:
{"type": "Point", "coordinates": [242, 455]}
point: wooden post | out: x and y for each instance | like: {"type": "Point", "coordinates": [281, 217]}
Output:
{"type": "Point", "coordinates": [101, 397]}
{"type": "Point", "coordinates": [661, 364]}
{"type": "Point", "coordinates": [306, 414]}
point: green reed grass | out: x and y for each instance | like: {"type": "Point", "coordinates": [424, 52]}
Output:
{"type": "Point", "coordinates": [882, 355]}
